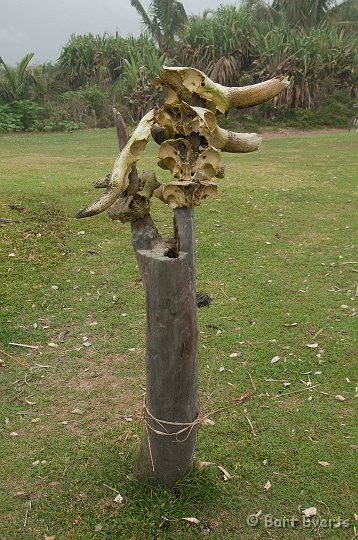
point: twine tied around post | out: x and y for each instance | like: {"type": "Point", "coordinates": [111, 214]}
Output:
{"type": "Point", "coordinates": [183, 427]}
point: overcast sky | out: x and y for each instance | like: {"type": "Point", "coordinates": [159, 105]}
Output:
{"type": "Point", "coordinates": [44, 26]}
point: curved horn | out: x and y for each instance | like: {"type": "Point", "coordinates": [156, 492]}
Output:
{"type": "Point", "coordinates": [222, 139]}
{"type": "Point", "coordinates": [119, 178]}
{"type": "Point", "coordinates": [255, 94]}
{"type": "Point", "coordinates": [186, 81]}
{"type": "Point", "coordinates": [230, 141]}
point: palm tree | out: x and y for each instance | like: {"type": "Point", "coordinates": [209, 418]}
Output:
{"type": "Point", "coordinates": [344, 13]}
{"type": "Point", "coordinates": [165, 20]}
{"type": "Point", "coordinates": [304, 13]}
{"type": "Point", "coordinates": [17, 82]}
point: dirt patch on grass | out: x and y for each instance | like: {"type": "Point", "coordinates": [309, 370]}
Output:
{"type": "Point", "coordinates": [101, 394]}
{"type": "Point", "coordinates": [313, 238]}
{"type": "Point", "coordinates": [291, 132]}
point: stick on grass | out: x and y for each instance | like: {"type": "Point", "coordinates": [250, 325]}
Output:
{"type": "Point", "coordinates": [22, 364]}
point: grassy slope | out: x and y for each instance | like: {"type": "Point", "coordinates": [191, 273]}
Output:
{"type": "Point", "coordinates": [271, 252]}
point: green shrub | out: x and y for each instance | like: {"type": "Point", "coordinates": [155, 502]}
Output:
{"type": "Point", "coordinates": [20, 115]}
{"type": "Point", "coordinates": [90, 105]}
{"type": "Point", "coordinates": [9, 121]}
{"type": "Point", "coordinates": [29, 111]}
{"type": "Point", "coordinates": [29, 116]}
{"type": "Point", "coordinates": [49, 124]}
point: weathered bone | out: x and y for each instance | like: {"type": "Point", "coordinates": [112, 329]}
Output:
{"type": "Point", "coordinates": [184, 119]}
{"type": "Point", "coordinates": [182, 130]}
{"type": "Point", "coordinates": [159, 134]}
{"type": "Point", "coordinates": [148, 184]}
{"type": "Point", "coordinates": [177, 156]}
{"type": "Point", "coordinates": [186, 194]}
{"type": "Point", "coordinates": [127, 158]}
{"type": "Point", "coordinates": [230, 141]}
{"type": "Point", "coordinates": [182, 82]}
{"type": "Point", "coordinates": [128, 208]}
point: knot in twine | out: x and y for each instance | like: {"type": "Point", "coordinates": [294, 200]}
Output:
{"type": "Point", "coordinates": [185, 426]}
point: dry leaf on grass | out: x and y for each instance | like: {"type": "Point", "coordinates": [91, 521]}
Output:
{"type": "Point", "coordinates": [50, 537]}
{"type": "Point", "coordinates": [324, 463]}
{"type": "Point", "coordinates": [77, 411]}
{"type": "Point", "coordinates": [118, 499]}
{"type": "Point", "coordinates": [62, 336]}
{"type": "Point", "coordinates": [203, 464]}
{"type": "Point", "coordinates": [275, 359]}
{"type": "Point", "coordinates": [193, 520]}
{"type": "Point", "coordinates": [42, 366]}
{"type": "Point", "coordinates": [22, 495]}
{"type": "Point", "coordinates": [310, 512]}
{"type": "Point", "coordinates": [226, 475]}
{"type": "Point", "coordinates": [268, 485]}
{"type": "Point", "coordinates": [312, 345]}
{"type": "Point", "coordinates": [340, 398]}
{"type": "Point", "coordinates": [98, 527]}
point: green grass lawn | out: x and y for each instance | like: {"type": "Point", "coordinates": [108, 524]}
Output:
{"type": "Point", "coordinates": [278, 254]}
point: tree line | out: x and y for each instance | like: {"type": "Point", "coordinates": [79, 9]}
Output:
{"type": "Point", "coordinates": [311, 41]}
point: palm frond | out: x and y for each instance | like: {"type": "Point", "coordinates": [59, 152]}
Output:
{"type": "Point", "coordinates": [147, 22]}
{"type": "Point", "coordinates": [22, 65]}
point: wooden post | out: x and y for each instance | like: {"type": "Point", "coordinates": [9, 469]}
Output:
{"type": "Point", "coordinates": [168, 443]}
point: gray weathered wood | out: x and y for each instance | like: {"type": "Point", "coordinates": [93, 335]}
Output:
{"type": "Point", "coordinates": [121, 128]}
{"type": "Point", "coordinates": [144, 234]}
{"type": "Point", "coordinates": [172, 371]}
{"type": "Point", "coordinates": [184, 233]}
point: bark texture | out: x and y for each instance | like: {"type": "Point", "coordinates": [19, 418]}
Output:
{"type": "Point", "coordinates": [171, 363]}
